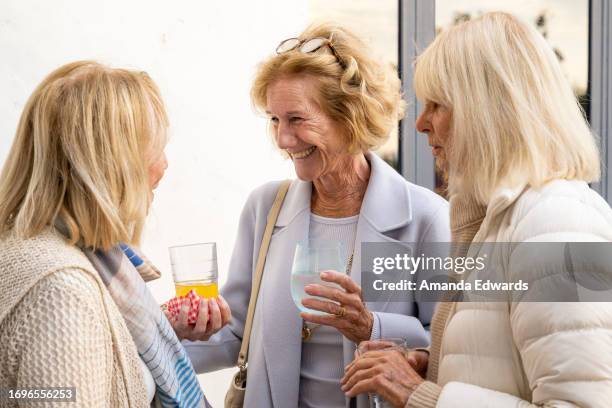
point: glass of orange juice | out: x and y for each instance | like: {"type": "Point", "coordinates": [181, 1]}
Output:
{"type": "Point", "coordinates": [194, 267]}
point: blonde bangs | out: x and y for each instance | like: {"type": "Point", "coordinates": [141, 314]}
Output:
{"type": "Point", "coordinates": [429, 76]}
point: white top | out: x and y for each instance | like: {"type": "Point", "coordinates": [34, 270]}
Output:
{"type": "Point", "coordinates": [322, 364]}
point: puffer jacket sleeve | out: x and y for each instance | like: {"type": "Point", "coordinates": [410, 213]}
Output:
{"type": "Point", "coordinates": [565, 349]}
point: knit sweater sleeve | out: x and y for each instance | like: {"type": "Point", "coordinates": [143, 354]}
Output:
{"type": "Point", "coordinates": [62, 338]}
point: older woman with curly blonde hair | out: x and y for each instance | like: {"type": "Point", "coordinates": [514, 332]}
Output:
{"type": "Point", "coordinates": [329, 103]}
{"type": "Point", "coordinates": [505, 125]}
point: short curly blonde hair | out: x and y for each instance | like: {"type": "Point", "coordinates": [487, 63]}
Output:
{"type": "Point", "coordinates": [358, 92]}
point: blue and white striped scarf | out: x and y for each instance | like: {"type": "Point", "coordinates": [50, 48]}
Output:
{"type": "Point", "coordinates": [122, 270]}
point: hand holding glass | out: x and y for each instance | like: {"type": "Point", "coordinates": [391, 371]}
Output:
{"type": "Point", "coordinates": [381, 345]}
{"type": "Point", "coordinates": [311, 258]}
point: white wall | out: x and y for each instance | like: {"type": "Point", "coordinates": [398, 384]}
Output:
{"type": "Point", "coordinates": [202, 54]}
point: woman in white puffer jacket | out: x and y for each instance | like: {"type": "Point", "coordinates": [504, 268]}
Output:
{"type": "Point", "coordinates": [506, 129]}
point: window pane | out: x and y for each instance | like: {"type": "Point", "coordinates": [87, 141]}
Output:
{"type": "Point", "coordinates": [564, 23]}
{"type": "Point", "coordinates": [376, 23]}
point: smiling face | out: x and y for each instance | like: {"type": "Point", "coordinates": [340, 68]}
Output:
{"type": "Point", "coordinates": [301, 128]}
{"type": "Point", "coordinates": [435, 121]}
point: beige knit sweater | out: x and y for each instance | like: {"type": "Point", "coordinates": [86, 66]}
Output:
{"type": "Point", "coordinates": [59, 326]}
{"type": "Point", "coordinates": [465, 217]}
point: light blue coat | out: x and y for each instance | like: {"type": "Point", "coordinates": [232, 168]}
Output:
{"type": "Point", "coordinates": [392, 210]}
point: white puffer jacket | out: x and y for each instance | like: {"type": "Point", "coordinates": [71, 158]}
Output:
{"type": "Point", "coordinates": [532, 354]}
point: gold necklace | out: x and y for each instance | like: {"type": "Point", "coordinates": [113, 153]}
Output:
{"type": "Point", "coordinates": [307, 331]}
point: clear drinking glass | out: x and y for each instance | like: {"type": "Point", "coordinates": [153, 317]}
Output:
{"type": "Point", "coordinates": [311, 258]}
{"type": "Point", "coordinates": [389, 344]}
{"type": "Point", "coordinates": [195, 267]}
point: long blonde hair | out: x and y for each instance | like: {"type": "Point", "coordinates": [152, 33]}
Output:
{"type": "Point", "coordinates": [81, 154]}
{"type": "Point", "coordinates": [515, 119]}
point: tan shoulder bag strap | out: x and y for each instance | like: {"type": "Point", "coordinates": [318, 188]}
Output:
{"type": "Point", "coordinates": [261, 261]}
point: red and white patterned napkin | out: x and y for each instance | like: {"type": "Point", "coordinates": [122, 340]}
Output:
{"type": "Point", "coordinates": [174, 306]}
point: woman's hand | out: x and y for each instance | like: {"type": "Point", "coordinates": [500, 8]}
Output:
{"type": "Point", "coordinates": [388, 373]}
{"type": "Point", "coordinates": [346, 309]}
{"type": "Point", "coordinates": [418, 359]}
{"type": "Point", "coordinates": [213, 314]}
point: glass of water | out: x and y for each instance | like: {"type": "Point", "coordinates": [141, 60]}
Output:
{"type": "Point", "coordinates": [311, 258]}
{"type": "Point", "coordinates": [389, 344]}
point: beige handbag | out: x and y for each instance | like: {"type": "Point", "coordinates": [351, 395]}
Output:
{"type": "Point", "coordinates": [235, 395]}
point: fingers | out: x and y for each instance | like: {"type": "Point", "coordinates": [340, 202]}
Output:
{"type": "Point", "coordinates": [327, 320]}
{"type": "Point", "coordinates": [337, 295]}
{"type": "Point", "coordinates": [360, 364]}
{"type": "Point", "coordinates": [226, 313]}
{"type": "Point", "coordinates": [370, 376]}
{"type": "Point", "coordinates": [341, 279]}
{"type": "Point", "coordinates": [386, 354]}
{"type": "Point", "coordinates": [215, 318]}
{"type": "Point", "coordinates": [369, 385]}
{"type": "Point", "coordinates": [182, 324]}
{"type": "Point", "coordinates": [324, 306]}
{"type": "Point", "coordinates": [358, 376]}
{"type": "Point", "coordinates": [419, 360]}
{"type": "Point", "coordinates": [199, 330]}
{"type": "Point", "coordinates": [213, 314]}
{"type": "Point", "coordinates": [412, 361]}
{"type": "Point", "coordinates": [373, 345]}
{"type": "Point", "coordinates": [370, 359]}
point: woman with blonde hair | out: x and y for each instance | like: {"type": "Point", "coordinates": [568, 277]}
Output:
{"type": "Point", "coordinates": [74, 194]}
{"type": "Point", "coordinates": [329, 103]}
{"type": "Point", "coordinates": [504, 124]}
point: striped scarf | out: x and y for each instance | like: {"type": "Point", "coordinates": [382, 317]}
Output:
{"type": "Point", "coordinates": [122, 270]}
